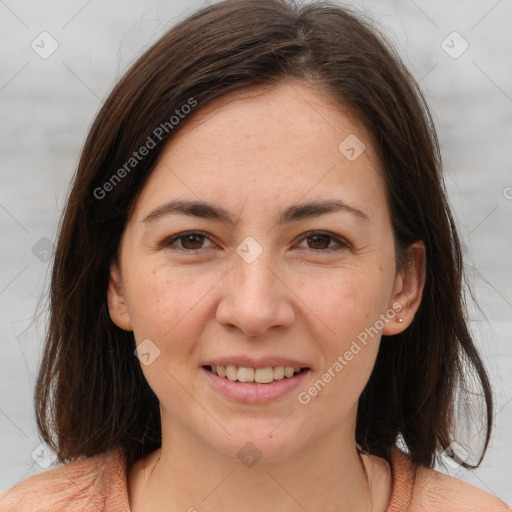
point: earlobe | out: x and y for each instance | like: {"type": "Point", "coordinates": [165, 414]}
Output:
{"type": "Point", "coordinates": [408, 290]}
{"type": "Point", "coordinates": [117, 306]}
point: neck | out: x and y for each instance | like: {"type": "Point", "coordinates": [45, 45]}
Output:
{"type": "Point", "coordinates": [186, 475]}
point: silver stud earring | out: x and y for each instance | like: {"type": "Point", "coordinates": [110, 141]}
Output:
{"type": "Point", "coordinates": [399, 320]}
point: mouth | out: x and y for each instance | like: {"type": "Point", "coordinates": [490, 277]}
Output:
{"type": "Point", "coordinates": [249, 375]}
{"type": "Point", "coordinates": [255, 385]}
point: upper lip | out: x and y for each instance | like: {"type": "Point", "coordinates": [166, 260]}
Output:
{"type": "Point", "coordinates": [255, 362]}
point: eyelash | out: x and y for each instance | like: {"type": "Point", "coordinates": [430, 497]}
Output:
{"type": "Point", "coordinates": [169, 241]}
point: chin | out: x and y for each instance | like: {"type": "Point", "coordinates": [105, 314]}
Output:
{"type": "Point", "coordinates": [257, 446]}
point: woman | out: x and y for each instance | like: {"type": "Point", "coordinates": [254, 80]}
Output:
{"type": "Point", "coordinates": [259, 216]}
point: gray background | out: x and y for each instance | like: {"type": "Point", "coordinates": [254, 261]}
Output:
{"type": "Point", "coordinates": [47, 106]}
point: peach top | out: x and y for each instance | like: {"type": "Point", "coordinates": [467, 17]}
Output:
{"type": "Point", "coordinates": [99, 483]}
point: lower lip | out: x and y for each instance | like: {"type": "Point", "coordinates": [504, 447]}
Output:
{"type": "Point", "coordinates": [255, 393]}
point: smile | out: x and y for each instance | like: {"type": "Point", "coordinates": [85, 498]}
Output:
{"type": "Point", "coordinates": [255, 375]}
{"type": "Point", "coordinates": [253, 392]}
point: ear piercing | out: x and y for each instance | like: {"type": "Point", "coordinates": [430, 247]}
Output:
{"type": "Point", "coordinates": [399, 320]}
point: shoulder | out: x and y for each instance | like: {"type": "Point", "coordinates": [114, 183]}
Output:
{"type": "Point", "coordinates": [86, 484]}
{"type": "Point", "coordinates": [438, 491]}
{"type": "Point", "coordinates": [416, 488]}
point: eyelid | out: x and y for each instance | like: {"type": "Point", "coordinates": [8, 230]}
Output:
{"type": "Point", "coordinates": [342, 243]}
{"type": "Point", "coordinates": [339, 240]}
{"type": "Point", "coordinates": [168, 241]}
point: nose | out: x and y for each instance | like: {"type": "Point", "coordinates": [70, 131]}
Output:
{"type": "Point", "coordinates": [255, 298]}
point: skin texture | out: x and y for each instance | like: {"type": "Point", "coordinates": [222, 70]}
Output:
{"type": "Point", "coordinates": [256, 154]}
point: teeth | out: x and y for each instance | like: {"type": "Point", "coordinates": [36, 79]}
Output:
{"type": "Point", "coordinates": [289, 371]}
{"type": "Point", "coordinates": [246, 374]}
{"type": "Point", "coordinates": [263, 375]}
{"type": "Point", "coordinates": [259, 375]}
{"type": "Point", "coordinates": [279, 372]}
{"type": "Point", "coordinates": [231, 372]}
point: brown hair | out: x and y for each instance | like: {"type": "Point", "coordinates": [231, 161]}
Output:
{"type": "Point", "coordinates": [91, 392]}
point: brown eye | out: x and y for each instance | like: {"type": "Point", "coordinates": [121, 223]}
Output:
{"type": "Point", "coordinates": [190, 242]}
{"type": "Point", "coordinates": [321, 242]}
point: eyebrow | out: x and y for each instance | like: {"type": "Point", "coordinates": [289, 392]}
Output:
{"type": "Point", "coordinates": [293, 213]}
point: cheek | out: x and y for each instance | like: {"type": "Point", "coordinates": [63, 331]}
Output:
{"type": "Point", "coordinates": [168, 308]}
{"type": "Point", "coordinates": [164, 304]}
{"type": "Point", "coordinates": [346, 301]}
{"type": "Point", "coordinates": [346, 312]}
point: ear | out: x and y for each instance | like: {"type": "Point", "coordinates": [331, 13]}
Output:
{"type": "Point", "coordinates": [408, 290]}
{"type": "Point", "coordinates": [117, 306]}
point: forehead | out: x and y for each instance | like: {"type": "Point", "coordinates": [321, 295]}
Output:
{"type": "Point", "coordinates": [259, 114]}
{"type": "Point", "coordinates": [269, 144]}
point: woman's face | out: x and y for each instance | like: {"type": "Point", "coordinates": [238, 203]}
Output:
{"type": "Point", "coordinates": [271, 281]}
